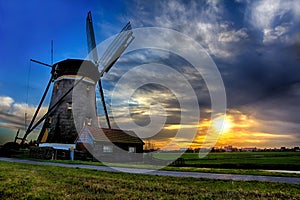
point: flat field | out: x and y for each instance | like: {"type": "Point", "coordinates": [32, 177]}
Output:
{"type": "Point", "coordinates": [240, 160]}
{"type": "Point", "coordinates": [23, 181]}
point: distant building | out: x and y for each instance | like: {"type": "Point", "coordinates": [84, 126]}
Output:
{"type": "Point", "coordinates": [183, 149]}
{"type": "Point", "coordinates": [249, 149]}
{"type": "Point", "coordinates": [228, 148]}
{"type": "Point", "coordinates": [282, 148]}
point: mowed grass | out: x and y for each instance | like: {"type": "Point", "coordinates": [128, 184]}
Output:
{"type": "Point", "coordinates": [177, 168]}
{"type": "Point", "coordinates": [23, 181]}
{"type": "Point", "coordinates": [247, 163]}
{"type": "Point", "coordinates": [248, 160]}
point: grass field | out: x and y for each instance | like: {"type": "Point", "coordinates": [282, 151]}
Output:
{"type": "Point", "coordinates": [22, 181]}
{"type": "Point", "coordinates": [249, 163]}
{"type": "Point", "coordinates": [181, 168]}
{"type": "Point", "coordinates": [238, 160]}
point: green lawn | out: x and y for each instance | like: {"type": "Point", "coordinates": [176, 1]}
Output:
{"type": "Point", "coordinates": [247, 160]}
{"type": "Point", "coordinates": [22, 181]}
{"type": "Point", "coordinates": [250, 163]}
{"type": "Point", "coordinates": [177, 168]}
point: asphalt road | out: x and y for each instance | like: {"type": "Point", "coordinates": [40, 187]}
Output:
{"type": "Point", "coordinates": [236, 177]}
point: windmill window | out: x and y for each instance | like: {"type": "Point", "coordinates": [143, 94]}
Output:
{"type": "Point", "coordinates": [57, 85]}
{"type": "Point", "coordinates": [50, 120]}
{"type": "Point", "coordinates": [88, 88]}
{"type": "Point", "coordinates": [69, 105]}
{"type": "Point", "coordinates": [107, 149]}
{"type": "Point", "coordinates": [97, 148]}
{"type": "Point", "coordinates": [89, 121]}
{"type": "Point", "coordinates": [131, 149]}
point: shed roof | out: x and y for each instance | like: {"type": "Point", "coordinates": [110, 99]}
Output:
{"type": "Point", "coordinates": [111, 135]}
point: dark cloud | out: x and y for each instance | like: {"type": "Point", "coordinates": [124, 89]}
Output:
{"type": "Point", "coordinates": [255, 46]}
{"type": "Point", "coordinates": [156, 93]}
{"type": "Point", "coordinates": [258, 56]}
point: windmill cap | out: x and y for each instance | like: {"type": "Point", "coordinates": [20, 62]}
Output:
{"type": "Point", "coordinates": [79, 67]}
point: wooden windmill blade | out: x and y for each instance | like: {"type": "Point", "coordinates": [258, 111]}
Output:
{"type": "Point", "coordinates": [92, 50]}
{"type": "Point", "coordinates": [116, 48]}
{"type": "Point", "coordinates": [110, 56]}
{"type": "Point", "coordinates": [93, 53]}
{"type": "Point", "coordinates": [91, 42]}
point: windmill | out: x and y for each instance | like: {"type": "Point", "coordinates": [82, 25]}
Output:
{"type": "Point", "coordinates": [110, 56]}
{"type": "Point", "coordinates": [70, 74]}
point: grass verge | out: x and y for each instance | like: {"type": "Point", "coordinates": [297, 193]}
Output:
{"type": "Point", "coordinates": [173, 168]}
{"type": "Point", "coordinates": [23, 181]}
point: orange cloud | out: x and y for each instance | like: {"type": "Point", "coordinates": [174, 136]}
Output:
{"type": "Point", "coordinates": [236, 128]}
{"type": "Point", "coordinates": [239, 130]}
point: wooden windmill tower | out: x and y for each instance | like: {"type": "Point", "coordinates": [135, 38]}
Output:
{"type": "Point", "coordinates": [60, 126]}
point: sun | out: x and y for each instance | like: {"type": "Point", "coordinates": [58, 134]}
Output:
{"type": "Point", "coordinates": [222, 124]}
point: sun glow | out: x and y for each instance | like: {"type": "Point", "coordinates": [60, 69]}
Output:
{"type": "Point", "coordinates": [222, 124]}
{"type": "Point", "coordinates": [235, 128]}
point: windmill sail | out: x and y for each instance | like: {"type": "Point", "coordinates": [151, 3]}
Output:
{"type": "Point", "coordinates": [110, 56]}
{"type": "Point", "coordinates": [116, 48]}
{"type": "Point", "coordinates": [92, 50]}
{"type": "Point", "coordinates": [91, 38]}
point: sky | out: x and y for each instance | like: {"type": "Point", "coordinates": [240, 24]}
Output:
{"type": "Point", "coordinates": [254, 44]}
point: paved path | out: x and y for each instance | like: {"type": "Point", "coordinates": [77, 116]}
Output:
{"type": "Point", "coordinates": [164, 172]}
{"type": "Point", "coordinates": [284, 171]}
